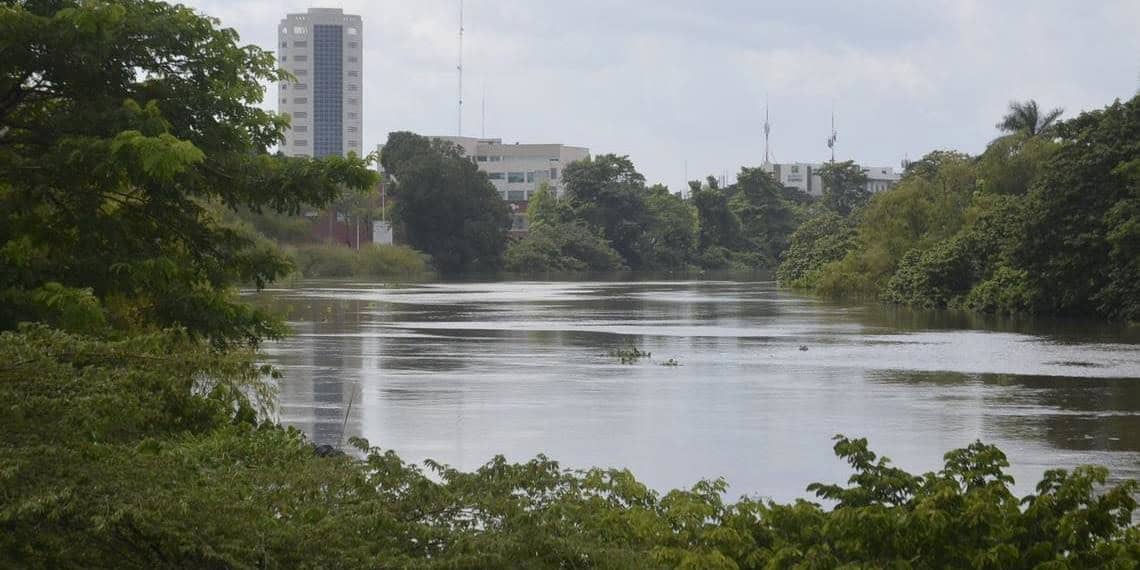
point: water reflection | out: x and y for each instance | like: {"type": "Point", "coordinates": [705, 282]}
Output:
{"type": "Point", "coordinates": [460, 372]}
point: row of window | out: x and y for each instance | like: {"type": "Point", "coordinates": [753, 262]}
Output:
{"type": "Point", "coordinates": [301, 44]}
{"type": "Point", "coordinates": [301, 30]}
{"type": "Point", "coordinates": [517, 195]}
{"type": "Point", "coordinates": [305, 58]}
{"type": "Point", "coordinates": [516, 177]}
{"type": "Point", "coordinates": [305, 101]}
{"type": "Point", "coordinates": [303, 142]}
{"type": "Point", "coordinates": [305, 115]}
{"type": "Point", "coordinates": [305, 86]}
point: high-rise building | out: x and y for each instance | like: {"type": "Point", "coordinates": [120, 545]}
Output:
{"type": "Point", "coordinates": [323, 50]}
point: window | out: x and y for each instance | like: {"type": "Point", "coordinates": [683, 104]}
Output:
{"type": "Point", "coordinates": [284, 86]}
{"type": "Point", "coordinates": [300, 86]}
{"type": "Point", "coordinates": [300, 72]}
{"type": "Point", "coordinates": [481, 158]}
{"type": "Point", "coordinates": [795, 169]}
{"type": "Point", "coordinates": [353, 45]}
{"type": "Point", "coordinates": [352, 87]}
{"type": "Point", "coordinates": [530, 176]}
{"type": "Point", "coordinates": [300, 129]}
{"type": "Point", "coordinates": [352, 59]}
{"type": "Point", "coordinates": [353, 31]}
{"type": "Point", "coordinates": [352, 129]}
{"type": "Point", "coordinates": [300, 58]}
{"type": "Point", "coordinates": [300, 100]}
{"type": "Point", "coordinates": [496, 158]}
{"type": "Point", "coordinates": [516, 177]}
{"type": "Point", "coordinates": [300, 115]}
{"type": "Point", "coordinates": [284, 44]}
{"type": "Point", "coordinates": [298, 44]}
{"type": "Point", "coordinates": [353, 144]}
{"type": "Point", "coordinates": [530, 194]}
{"type": "Point", "coordinates": [495, 175]}
{"type": "Point", "coordinates": [516, 195]}
{"type": "Point", "coordinates": [300, 142]}
{"type": "Point", "coordinates": [353, 73]}
{"type": "Point", "coordinates": [298, 29]}
{"type": "Point", "coordinates": [554, 174]}
{"type": "Point", "coordinates": [284, 58]}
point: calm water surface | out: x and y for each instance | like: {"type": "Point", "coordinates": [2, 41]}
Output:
{"type": "Point", "coordinates": [462, 372]}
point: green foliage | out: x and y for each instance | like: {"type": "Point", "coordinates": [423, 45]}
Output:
{"type": "Point", "coordinates": [444, 206]}
{"type": "Point", "coordinates": [671, 238]}
{"type": "Point", "coordinates": [371, 260]}
{"type": "Point", "coordinates": [121, 121]}
{"type": "Point", "coordinates": [607, 192]}
{"type": "Point", "coordinates": [149, 452]}
{"type": "Point", "coordinates": [1025, 118]}
{"type": "Point", "coordinates": [823, 238]}
{"type": "Point", "coordinates": [766, 219]}
{"type": "Point", "coordinates": [844, 187]}
{"type": "Point", "coordinates": [561, 247]}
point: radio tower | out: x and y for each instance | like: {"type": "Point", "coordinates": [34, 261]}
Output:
{"type": "Point", "coordinates": [459, 68]}
{"type": "Point", "coordinates": [831, 139]}
{"type": "Point", "coordinates": [767, 129]}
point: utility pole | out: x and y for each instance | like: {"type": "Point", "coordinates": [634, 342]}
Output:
{"type": "Point", "coordinates": [767, 128]}
{"type": "Point", "coordinates": [459, 68]}
{"type": "Point", "coordinates": [831, 139]}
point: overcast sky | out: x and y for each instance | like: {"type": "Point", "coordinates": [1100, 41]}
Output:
{"type": "Point", "coordinates": [674, 83]}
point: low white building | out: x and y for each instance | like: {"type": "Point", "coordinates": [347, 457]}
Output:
{"type": "Point", "coordinates": [518, 170]}
{"type": "Point", "coordinates": [805, 176]}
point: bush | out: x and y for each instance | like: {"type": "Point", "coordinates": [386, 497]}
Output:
{"type": "Point", "coordinates": [149, 453]}
{"type": "Point", "coordinates": [567, 246]}
{"type": "Point", "coordinates": [821, 239]}
{"type": "Point", "coordinates": [371, 260]}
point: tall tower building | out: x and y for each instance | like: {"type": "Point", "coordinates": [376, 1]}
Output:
{"type": "Point", "coordinates": [322, 48]}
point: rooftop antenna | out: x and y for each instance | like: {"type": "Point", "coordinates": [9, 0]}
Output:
{"type": "Point", "coordinates": [459, 68]}
{"type": "Point", "coordinates": [834, 135]}
{"type": "Point", "coordinates": [483, 129]}
{"type": "Point", "coordinates": [767, 128]}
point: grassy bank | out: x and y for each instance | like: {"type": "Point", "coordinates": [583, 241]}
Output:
{"type": "Point", "coordinates": [369, 261]}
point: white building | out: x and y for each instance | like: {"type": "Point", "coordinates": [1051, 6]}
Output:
{"type": "Point", "coordinates": [518, 170]}
{"type": "Point", "coordinates": [805, 176]}
{"type": "Point", "coordinates": [323, 49]}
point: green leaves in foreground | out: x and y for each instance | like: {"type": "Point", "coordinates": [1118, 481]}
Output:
{"type": "Point", "coordinates": [149, 453]}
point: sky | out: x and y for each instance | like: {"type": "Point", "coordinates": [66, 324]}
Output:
{"type": "Point", "coordinates": [681, 87]}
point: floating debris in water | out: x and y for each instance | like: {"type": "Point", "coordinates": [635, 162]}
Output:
{"type": "Point", "coordinates": [803, 348]}
{"type": "Point", "coordinates": [671, 362]}
{"type": "Point", "coordinates": [630, 355]}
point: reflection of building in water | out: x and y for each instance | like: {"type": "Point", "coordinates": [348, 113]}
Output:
{"type": "Point", "coordinates": [320, 372]}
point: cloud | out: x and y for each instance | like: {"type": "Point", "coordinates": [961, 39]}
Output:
{"type": "Point", "coordinates": [673, 83]}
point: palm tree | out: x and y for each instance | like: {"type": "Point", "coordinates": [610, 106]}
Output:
{"type": "Point", "coordinates": [1027, 118]}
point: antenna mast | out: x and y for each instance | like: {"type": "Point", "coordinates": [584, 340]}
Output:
{"type": "Point", "coordinates": [767, 129]}
{"type": "Point", "coordinates": [459, 68]}
{"type": "Point", "coordinates": [834, 135]}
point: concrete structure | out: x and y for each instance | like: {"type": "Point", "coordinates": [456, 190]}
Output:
{"type": "Point", "coordinates": [804, 176]}
{"type": "Point", "coordinates": [518, 170]}
{"type": "Point", "coordinates": [323, 49]}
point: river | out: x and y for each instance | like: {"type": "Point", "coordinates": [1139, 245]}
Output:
{"type": "Point", "coordinates": [460, 372]}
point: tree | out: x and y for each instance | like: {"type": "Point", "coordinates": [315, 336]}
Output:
{"type": "Point", "coordinates": [562, 247]}
{"type": "Point", "coordinates": [671, 237]}
{"type": "Point", "coordinates": [608, 193]}
{"type": "Point", "coordinates": [766, 221]}
{"type": "Point", "coordinates": [122, 124]}
{"type": "Point", "coordinates": [1026, 118]}
{"type": "Point", "coordinates": [844, 187]}
{"type": "Point", "coordinates": [444, 205]}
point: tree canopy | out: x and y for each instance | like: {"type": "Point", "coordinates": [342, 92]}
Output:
{"type": "Point", "coordinates": [123, 124]}
{"type": "Point", "coordinates": [444, 206]}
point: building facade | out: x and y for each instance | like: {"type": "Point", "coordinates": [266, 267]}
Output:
{"type": "Point", "coordinates": [518, 170]}
{"type": "Point", "coordinates": [804, 176]}
{"type": "Point", "coordinates": [323, 50]}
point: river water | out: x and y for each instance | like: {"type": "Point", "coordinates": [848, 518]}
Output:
{"type": "Point", "coordinates": [460, 372]}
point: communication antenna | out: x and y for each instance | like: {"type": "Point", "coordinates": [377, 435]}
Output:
{"type": "Point", "coordinates": [834, 135]}
{"type": "Point", "coordinates": [459, 68]}
{"type": "Point", "coordinates": [767, 128]}
{"type": "Point", "coordinates": [483, 129]}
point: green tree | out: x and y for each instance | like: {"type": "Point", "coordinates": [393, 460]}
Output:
{"type": "Point", "coordinates": [719, 226]}
{"type": "Point", "coordinates": [844, 187]}
{"type": "Point", "coordinates": [671, 237]}
{"type": "Point", "coordinates": [766, 220]}
{"type": "Point", "coordinates": [562, 247]}
{"type": "Point", "coordinates": [822, 238]}
{"type": "Point", "coordinates": [608, 193]}
{"type": "Point", "coordinates": [121, 123]}
{"type": "Point", "coordinates": [1026, 118]}
{"type": "Point", "coordinates": [444, 205]}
